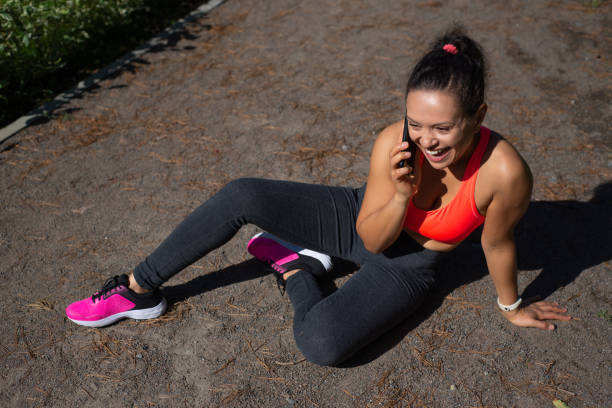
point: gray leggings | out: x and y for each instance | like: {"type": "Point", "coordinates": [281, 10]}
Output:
{"type": "Point", "coordinates": [386, 289]}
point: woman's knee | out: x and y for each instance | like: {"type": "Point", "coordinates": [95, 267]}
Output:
{"type": "Point", "coordinates": [247, 200]}
{"type": "Point", "coordinates": [240, 187]}
{"type": "Point", "coordinates": [322, 347]}
{"type": "Point", "coordinates": [238, 193]}
{"type": "Point", "coordinates": [324, 357]}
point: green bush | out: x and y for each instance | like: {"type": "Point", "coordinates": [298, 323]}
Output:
{"type": "Point", "coordinates": [46, 46]}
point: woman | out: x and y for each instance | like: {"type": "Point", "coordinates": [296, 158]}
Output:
{"type": "Point", "coordinates": [397, 228]}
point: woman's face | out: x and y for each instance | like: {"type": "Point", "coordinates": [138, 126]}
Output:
{"type": "Point", "coordinates": [438, 127]}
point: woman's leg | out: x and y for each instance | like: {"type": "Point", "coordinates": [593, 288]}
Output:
{"type": "Point", "coordinates": [318, 217]}
{"type": "Point", "coordinates": [382, 293]}
{"type": "Point", "coordinates": [309, 215]}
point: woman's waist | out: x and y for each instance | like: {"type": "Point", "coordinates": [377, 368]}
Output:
{"type": "Point", "coordinates": [431, 244]}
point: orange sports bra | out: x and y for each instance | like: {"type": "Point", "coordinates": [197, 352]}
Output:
{"type": "Point", "coordinates": [457, 219]}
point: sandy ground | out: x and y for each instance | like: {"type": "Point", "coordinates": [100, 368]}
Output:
{"type": "Point", "coordinates": [298, 90]}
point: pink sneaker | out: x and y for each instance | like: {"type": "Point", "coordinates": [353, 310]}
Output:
{"type": "Point", "coordinates": [283, 256]}
{"type": "Point", "coordinates": [116, 301]}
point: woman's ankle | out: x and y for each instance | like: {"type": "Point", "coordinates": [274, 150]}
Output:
{"type": "Point", "coordinates": [289, 274]}
{"type": "Point", "coordinates": [134, 286]}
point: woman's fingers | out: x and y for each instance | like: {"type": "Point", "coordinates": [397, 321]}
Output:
{"type": "Point", "coordinates": [538, 315]}
{"type": "Point", "coordinates": [547, 311]}
{"type": "Point", "coordinates": [395, 160]}
{"type": "Point", "coordinates": [401, 172]}
{"type": "Point", "coordinates": [537, 322]}
{"type": "Point", "coordinates": [553, 316]}
{"type": "Point", "coordinates": [396, 171]}
{"type": "Point", "coordinates": [399, 153]}
{"type": "Point", "coordinates": [540, 324]}
{"type": "Point", "coordinates": [398, 148]}
{"type": "Point", "coordinates": [552, 309]}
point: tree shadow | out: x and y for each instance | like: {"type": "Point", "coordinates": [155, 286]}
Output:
{"type": "Point", "coordinates": [562, 238]}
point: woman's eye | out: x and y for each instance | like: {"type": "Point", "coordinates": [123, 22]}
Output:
{"type": "Point", "coordinates": [444, 129]}
{"type": "Point", "coordinates": [412, 125]}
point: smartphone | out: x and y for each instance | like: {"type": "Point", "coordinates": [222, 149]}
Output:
{"type": "Point", "coordinates": [411, 147]}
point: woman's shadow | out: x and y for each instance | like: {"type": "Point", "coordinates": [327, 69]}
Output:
{"type": "Point", "coordinates": [562, 238]}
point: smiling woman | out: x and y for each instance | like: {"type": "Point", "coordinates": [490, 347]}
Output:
{"type": "Point", "coordinates": [397, 228]}
{"type": "Point", "coordinates": [444, 134]}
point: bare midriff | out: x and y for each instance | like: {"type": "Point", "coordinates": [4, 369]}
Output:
{"type": "Point", "coordinates": [431, 244]}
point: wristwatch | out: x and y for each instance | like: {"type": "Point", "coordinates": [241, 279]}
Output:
{"type": "Point", "coordinates": [511, 307]}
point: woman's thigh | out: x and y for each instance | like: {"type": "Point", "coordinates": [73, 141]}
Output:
{"type": "Point", "coordinates": [318, 217]}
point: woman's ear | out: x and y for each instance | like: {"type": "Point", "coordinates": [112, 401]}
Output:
{"type": "Point", "coordinates": [480, 115]}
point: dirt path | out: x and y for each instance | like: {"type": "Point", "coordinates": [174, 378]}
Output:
{"type": "Point", "coordinates": [298, 90]}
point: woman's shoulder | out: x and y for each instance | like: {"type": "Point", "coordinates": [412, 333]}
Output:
{"type": "Point", "coordinates": [393, 132]}
{"type": "Point", "coordinates": [503, 166]}
{"type": "Point", "coordinates": [388, 137]}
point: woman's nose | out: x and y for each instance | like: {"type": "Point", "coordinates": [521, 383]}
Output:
{"type": "Point", "coordinates": [427, 139]}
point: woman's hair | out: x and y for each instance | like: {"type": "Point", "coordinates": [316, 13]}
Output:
{"type": "Point", "coordinates": [455, 63]}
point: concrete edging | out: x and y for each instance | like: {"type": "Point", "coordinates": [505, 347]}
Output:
{"type": "Point", "coordinates": [46, 109]}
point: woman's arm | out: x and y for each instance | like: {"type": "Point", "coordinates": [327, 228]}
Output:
{"type": "Point", "coordinates": [508, 204]}
{"type": "Point", "coordinates": [388, 192]}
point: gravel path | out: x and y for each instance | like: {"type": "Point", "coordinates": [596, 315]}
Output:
{"type": "Point", "coordinates": [298, 90]}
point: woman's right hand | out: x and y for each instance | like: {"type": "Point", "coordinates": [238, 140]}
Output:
{"type": "Point", "coordinates": [405, 181]}
{"type": "Point", "coordinates": [388, 191]}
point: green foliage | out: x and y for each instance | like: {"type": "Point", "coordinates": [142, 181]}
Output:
{"type": "Point", "coordinates": [595, 3]}
{"type": "Point", "coordinates": [39, 34]}
{"type": "Point", "coordinates": [46, 45]}
{"type": "Point", "coordinates": [603, 314]}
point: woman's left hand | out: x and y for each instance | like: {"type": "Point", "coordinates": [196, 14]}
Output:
{"type": "Point", "coordinates": [535, 314]}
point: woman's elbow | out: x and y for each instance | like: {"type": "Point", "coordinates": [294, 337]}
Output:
{"type": "Point", "coordinates": [373, 246]}
{"type": "Point", "coordinates": [500, 243]}
{"type": "Point", "coordinates": [369, 244]}
{"type": "Point", "coordinates": [375, 249]}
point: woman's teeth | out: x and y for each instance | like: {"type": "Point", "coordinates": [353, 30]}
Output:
{"type": "Point", "coordinates": [438, 152]}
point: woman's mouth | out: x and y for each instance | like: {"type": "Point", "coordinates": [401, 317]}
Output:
{"type": "Point", "coordinates": [437, 155]}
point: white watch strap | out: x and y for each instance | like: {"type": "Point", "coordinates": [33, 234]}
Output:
{"type": "Point", "coordinates": [511, 307]}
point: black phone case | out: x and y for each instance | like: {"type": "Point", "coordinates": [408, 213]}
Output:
{"type": "Point", "coordinates": [411, 147]}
